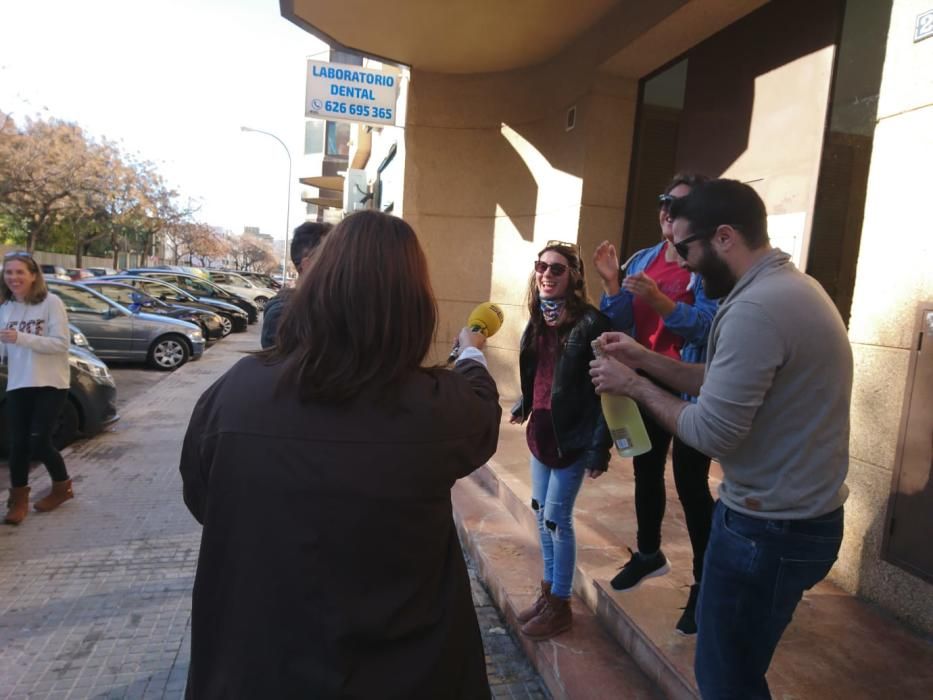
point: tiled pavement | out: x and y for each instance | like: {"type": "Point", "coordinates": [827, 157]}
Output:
{"type": "Point", "coordinates": [95, 598]}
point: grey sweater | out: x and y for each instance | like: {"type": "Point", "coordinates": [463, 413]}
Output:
{"type": "Point", "coordinates": [774, 405]}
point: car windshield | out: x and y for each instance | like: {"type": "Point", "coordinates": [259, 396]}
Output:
{"type": "Point", "coordinates": [239, 281]}
{"type": "Point", "coordinates": [124, 295]}
{"type": "Point", "coordinates": [208, 288]}
{"type": "Point", "coordinates": [80, 300]}
{"type": "Point", "coordinates": [160, 289]}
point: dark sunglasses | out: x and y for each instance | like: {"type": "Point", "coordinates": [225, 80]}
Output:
{"type": "Point", "coordinates": [557, 269]}
{"type": "Point", "coordinates": [665, 201]}
{"type": "Point", "coordinates": [681, 246]}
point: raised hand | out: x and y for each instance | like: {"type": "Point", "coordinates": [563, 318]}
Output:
{"type": "Point", "coordinates": [606, 262]}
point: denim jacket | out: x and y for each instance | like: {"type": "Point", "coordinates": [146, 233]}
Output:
{"type": "Point", "coordinates": [692, 322]}
{"type": "Point", "coordinates": [575, 407]}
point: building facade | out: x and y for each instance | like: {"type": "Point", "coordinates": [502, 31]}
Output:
{"type": "Point", "coordinates": [538, 120]}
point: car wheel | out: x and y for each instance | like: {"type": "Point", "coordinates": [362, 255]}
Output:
{"type": "Point", "coordinates": [168, 352]}
{"type": "Point", "coordinates": [260, 302]}
{"type": "Point", "coordinates": [67, 426]}
{"type": "Point", "coordinates": [226, 325]}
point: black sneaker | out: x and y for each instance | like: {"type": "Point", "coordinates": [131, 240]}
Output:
{"type": "Point", "coordinates": [640, 567]}
{"type": "Point", "coordinates": [687, 624]}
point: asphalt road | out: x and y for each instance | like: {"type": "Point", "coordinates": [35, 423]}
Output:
{"type": "Point", "coordinates": [132, 380]}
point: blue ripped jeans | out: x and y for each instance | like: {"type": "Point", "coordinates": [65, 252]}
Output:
{"type": "Point", "coordinates": [553, 493]}
{"type": "Point", "coordinates": [754, 574]}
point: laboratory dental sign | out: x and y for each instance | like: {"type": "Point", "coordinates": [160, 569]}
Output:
{"type": "Point", "coordinates": [351, 93]}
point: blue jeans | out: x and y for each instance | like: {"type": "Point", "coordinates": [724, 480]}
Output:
{"type": "Point", "coordinates": [553, 493]}
{"type": "Point", "coordinates": [754, 574]}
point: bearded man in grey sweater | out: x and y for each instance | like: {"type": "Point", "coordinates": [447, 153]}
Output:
{"type": "Point", "coordinates": [773, 408]}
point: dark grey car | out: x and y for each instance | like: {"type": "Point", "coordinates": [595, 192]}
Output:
{"type": "Point", "coordinates": [116, 333]}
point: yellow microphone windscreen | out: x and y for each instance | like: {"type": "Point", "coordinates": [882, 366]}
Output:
{"type": "Point", "coordinates": [486, 317]}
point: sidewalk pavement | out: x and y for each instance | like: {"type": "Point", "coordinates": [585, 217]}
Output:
{"type": "Point", "coordinates": [95, 597]}
{"type": "Point", "coordinates": [838, 647]}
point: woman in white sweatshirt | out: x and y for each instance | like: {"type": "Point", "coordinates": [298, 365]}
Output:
{"type": "Point", "coordinates": [34, 342]}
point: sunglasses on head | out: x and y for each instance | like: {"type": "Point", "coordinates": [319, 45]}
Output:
{"type": "Point", "coordinates": [665, 201]}
{"type": "Point", "coordinates": [17, 254]}
{"type": "Point", "coordinates": [564, 244]}
{"type": "Point", "coordinates": [557, 269]}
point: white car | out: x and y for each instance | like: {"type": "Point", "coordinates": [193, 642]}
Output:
{"type": "Point", "coordinates": [237, 284]}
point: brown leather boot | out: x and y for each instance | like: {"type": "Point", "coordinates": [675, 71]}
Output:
{"type": "Point", "coordinates": [61, 492]}
{"type": "Point", "coordinates": [18, 505]}
{"type": "Point", "coordinates": [538, 606]}
{"type": "Point", "coordinates": [556, 618]}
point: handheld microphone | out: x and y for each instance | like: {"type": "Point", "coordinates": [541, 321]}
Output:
{"type": "Point", "coordinates": [486, 318]}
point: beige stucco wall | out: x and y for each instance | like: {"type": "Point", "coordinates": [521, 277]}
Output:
{"type": "Point", "coordinates": [893, 276]}
{"type": "Point", "coordinates": [491, 174]}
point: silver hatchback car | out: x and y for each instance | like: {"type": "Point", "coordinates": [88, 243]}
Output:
{"type": "Point", "coordinates": [116, 333]}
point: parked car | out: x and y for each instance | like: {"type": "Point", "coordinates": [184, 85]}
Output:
{"type": "Point", "coordinates": [78, 338]}
{"type": "Point", "coordinates": [137, 300]}
{"type": "Point", "coordinates": [233, 318]}
{"type": "Point", "coordinates": [54, 272]}
{"type": "Point", "coordinates": [116, 333]}
{"type": "Point", "coordinates": [199, 287]}
{"type": "Point", "coordinates": [239, 285]}
{"type": "Point", "coordinates": [76, 274]}
{"type": "Point", "coordinates": [91, 404]}
{"type": "Point", "coordinates": [101, 271]}
{"type": "Point", "coordinates": [187, 269]}
{"type": "Point", "coordinates": [260, 279]}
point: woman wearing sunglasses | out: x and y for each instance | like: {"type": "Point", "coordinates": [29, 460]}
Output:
{"type": "Point", "coordinates": [34, 340]}
{"type": "Point", "coordinates": [664, 308]}
{"type": "Point", "coordinates": [566, 433]}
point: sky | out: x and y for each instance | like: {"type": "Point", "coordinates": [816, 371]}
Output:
{"type": "Point", "coordinates": [172, 81]}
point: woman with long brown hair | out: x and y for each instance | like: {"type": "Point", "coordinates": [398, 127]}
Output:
{"type": "Point", "coordinates": [321, 471]}
{"type": "Point", "coordinates": [34, 342]}
{"type": "Point", "coordinates": [566, 433]}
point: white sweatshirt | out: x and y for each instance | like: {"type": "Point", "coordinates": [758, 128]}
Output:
{"type": "Point", "coordinates": [40, 355]}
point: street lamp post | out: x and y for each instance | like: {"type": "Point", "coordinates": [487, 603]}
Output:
{"type": "Point", "coordinates": [288, 194]}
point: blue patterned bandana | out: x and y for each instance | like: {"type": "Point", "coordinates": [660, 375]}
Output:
{"type": "Point", "coordinates": [551, 310]}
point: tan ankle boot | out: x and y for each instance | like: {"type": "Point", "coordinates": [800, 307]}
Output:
{"type": "Point", "coordinates": [18, 505]}
{"type": "Point", "coordinates": [538, 606]}
{"type": "Point", "coordinates": [556, 618]}
{"type": "Point", "coordinates": [61, 492]}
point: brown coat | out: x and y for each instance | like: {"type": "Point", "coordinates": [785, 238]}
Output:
{"type": "Point", "coordinates": [330, 566]}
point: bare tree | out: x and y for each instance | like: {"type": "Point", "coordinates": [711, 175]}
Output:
{"type": "Point", "coordinates": [45, 168]}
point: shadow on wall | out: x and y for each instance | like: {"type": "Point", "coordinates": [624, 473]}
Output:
{"type": "Point", "coordinates": [720, 102]}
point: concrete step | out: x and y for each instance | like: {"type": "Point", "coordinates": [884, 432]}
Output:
{"type": "Point", "coordinates": [584, 663]}
{"type": "Point", "coordinates": [836, 647]}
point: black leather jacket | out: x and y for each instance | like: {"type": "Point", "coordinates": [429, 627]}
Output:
{"type": "Point", "coordinates": [575, 407]}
